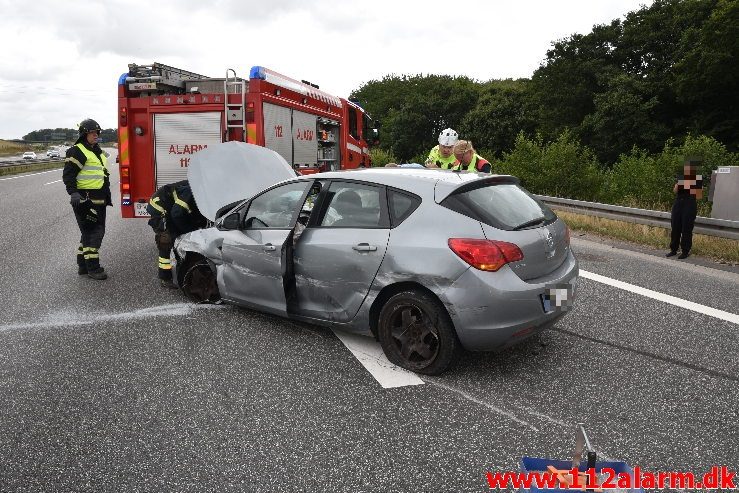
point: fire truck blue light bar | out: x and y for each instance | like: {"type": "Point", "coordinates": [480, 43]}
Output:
{"type": "Point", "coordinates": [277, 79]}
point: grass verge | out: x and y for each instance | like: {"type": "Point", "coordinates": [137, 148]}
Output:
{"type": "Point", "coordinates": [721, 249]}
{"type": "Point", "coordinates": [25, 168]}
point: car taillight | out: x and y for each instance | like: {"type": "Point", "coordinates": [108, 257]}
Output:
{"type": "Point", "coordinates": [486, 255]}
{"type": "Point", "coordinates": [567, 235]}
{"type": "Point", "coordinates": [124, 117]}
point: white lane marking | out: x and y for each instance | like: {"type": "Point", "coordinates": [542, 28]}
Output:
{"type": "Point", "coordinates": [666, 298]}
{"type": "Point", "coordinates": [24, 176]}
{"type": "Point", "coordinates": [370, 355]}
{"type": "Point", "coordinates": [56, 181]}
{"type": "Point", "coordinates": [70, 318]}
{"type": "Point", "coordinates": [485, 404]}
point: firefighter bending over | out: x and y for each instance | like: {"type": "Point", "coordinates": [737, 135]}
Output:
{"type": "Point", "coordinates": [441, 155]}
{"type": "Point", "coordinates": [86, 178]}
{"type": "Point", "coordinates": [469, 160]}
{"type": "Point", "coordinates": [173, 212]}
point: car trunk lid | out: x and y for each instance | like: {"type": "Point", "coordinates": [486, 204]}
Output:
{"type": "Point", "coordinates": [544, 248]}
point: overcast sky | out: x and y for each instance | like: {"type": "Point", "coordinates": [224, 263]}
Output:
{"type": "Point", "coordinates": [60, 60]}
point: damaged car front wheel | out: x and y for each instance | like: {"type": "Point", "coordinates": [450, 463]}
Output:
{"type": "Point", "coordinates": [199, 281]}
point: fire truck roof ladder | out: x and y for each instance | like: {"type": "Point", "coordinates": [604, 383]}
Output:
{"type": "Point", "coordinates": [234, 111]}
{"type": "Point", "coordinates": [160, 77]}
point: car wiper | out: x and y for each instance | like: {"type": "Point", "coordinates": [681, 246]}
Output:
{"type": "Point", "coordinates": [533, 222]}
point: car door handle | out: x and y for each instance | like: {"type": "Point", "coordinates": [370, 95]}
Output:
{"type": "Point", "coordinates": [269, 247]}
{"type": "Point", "coordinates": [364, 247]}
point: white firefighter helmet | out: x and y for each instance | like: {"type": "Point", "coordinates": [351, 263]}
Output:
{"type": "Point", "coordinates": [448, 137]}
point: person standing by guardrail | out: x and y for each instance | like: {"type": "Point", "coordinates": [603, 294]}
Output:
{"type": "Point", "coordinates": [86, 178]}
{"type": "Point", "coordinates": [688, 189]}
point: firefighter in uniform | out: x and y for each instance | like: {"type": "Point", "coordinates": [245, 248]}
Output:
{"type": "Point", "coordinates": [688, 189]}
{"type": "Point", "coordinates": [173, 212]}
{"type": "Point", "coordinates": [441, 156]}
{"type": "Point", "coordinates": [86, 178]}
{"type": "Point", "coordinates": [466, 159]}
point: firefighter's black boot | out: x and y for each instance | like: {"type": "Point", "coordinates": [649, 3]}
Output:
{"type": "Point", "coordinates": [92, 262]}
{"type": "Point", "coordinates": [97, 274]}
{"type": "Point", "coordinates": [167, 283]}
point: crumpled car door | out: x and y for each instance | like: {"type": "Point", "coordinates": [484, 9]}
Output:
{"type": "Point", "coordinates": [336, 260]}
{"type": "Point", "coordinates": [257, 259]}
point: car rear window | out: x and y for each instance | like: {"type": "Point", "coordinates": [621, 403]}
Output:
{"type": "Point", "coordinates": [504, 206]}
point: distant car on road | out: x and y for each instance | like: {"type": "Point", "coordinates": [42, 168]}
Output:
{"type": "Point", "coordinates": [29, 155]}
{"type": "Point", "coordinates": [53, 153]}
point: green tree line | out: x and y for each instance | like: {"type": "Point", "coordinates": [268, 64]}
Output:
{"type": "Point", "coordinates": [60, 135]}
{"type": "Point", "coordinates": [629, 95]}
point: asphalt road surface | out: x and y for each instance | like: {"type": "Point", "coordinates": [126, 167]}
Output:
{"type": "Point", "coordinates": [125, 386]}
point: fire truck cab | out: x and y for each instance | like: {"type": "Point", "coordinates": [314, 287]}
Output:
{"type": "Point", "coordinates": [166, 115]}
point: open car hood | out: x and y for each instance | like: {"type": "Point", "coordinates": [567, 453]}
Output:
{"type": "Point", "coordinates": [233, 171]}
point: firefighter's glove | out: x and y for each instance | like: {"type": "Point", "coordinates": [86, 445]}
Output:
{"type": "Point", "coordinates": [75, 199]}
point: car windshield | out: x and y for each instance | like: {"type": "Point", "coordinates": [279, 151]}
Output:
{"type": "Point", "coordinates": [504, 206]}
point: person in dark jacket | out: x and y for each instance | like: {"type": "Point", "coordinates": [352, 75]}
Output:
{"type": "Point", "coordinates": [688, 190]}
{"type": "Point", "coordinates": [86, 178]}
{"type": "Point", "coordinates": [173, 212]}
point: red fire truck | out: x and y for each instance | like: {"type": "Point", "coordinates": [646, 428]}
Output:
{"type": "Point", "coordinates": [165, 115]}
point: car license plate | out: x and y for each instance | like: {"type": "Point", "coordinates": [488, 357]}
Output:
{"type": "Point", "coordinates": [557, 298]}
{"type": "Point", "coordinates": [139, 209]}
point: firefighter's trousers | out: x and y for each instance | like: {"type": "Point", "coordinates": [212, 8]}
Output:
{"type": "Point", "coordinates": [91, 221]}
{"type": "Point", "coordinates": [684, 211]}
{"type": "Point", "coordinates": [164, 240]}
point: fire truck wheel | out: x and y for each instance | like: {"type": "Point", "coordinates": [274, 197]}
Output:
{"type": "Point", "coordinates": [199, 281]}
{"type": "Point", "coordinates": [416, 333]}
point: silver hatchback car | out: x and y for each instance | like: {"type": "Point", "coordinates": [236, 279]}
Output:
{"type": "Point", "coordinates": [429, 262]}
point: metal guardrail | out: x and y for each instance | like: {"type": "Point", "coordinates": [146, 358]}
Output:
{"type": "Point", "coordinates": [21, 162]}
{"type": "Point", "coordinates": [703, 225]}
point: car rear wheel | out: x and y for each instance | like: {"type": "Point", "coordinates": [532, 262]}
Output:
{"type": "Point", "coordinates": [416, 333]}
{"type": "Point", "coordinates": [199, 281]}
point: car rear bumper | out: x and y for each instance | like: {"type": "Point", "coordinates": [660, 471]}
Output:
{"type": "Point", "coordinates": [494, 310]}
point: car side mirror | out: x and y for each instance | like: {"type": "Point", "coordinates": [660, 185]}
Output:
{"type": "Point", "coordinates": [231, 221]}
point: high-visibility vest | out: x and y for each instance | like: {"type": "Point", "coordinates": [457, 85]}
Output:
{"type": "Point", "coordinates": [92, 174]}
{"type": "Point", "coordinates": [441, 161]}
{"type": "Point", "coordinates": [474, 166]}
